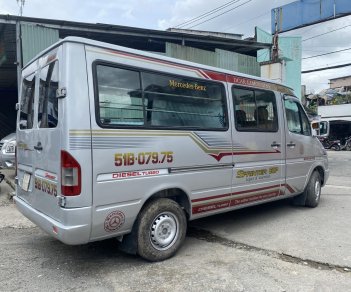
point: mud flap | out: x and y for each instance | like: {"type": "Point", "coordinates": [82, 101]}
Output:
{"type": "Point", "coordinates": [299, 200]}
{"type": "Point", "coordinates": [129, 243]}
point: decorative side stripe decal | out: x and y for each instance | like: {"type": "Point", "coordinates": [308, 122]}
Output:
{"type": "Point", "coordinates": [290, 189]}
{"type": "Point", "coordinates": [204, 73]}
{"type": "Point", "coordinates": [234, 202]}
{"type": "Point", "coordinates": [200, 168]}
{"type": "Point", "coordinates": [114, 139]}
{"type": "Point", "coordinates": [235, 193]}
{"type": "Point", "coordinates": [231, 199]}
{"type": "Point", "coordinates": [245, 81]}
{"type": "Point", "coordinates": [219, 156]}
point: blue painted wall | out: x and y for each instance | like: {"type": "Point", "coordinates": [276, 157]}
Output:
{"type": "Point", "coordinates": [290, 50]}
{"type": "Point", "coordinates": [306, 12]}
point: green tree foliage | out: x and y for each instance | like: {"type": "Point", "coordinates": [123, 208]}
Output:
{"type": "Point", "coordinates": [341, 99]}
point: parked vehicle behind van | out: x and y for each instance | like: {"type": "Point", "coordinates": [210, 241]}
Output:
{"type": "Point", "coordinates": [7, 151]}
{"type": "Point", "coordinates": [115, 142]}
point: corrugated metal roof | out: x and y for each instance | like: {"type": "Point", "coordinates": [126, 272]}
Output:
{"type": "Point", "coordinates": [35, 39]}
{"type": "Point", "coordinates": [142, 38]}
{"type": "Point", "coordinates": [220, 58]}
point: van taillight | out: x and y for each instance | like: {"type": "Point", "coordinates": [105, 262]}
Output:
{"type": "Point", "coordinates": [71, 183]}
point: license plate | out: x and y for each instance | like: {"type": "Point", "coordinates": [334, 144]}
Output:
{"type": "Point", "coordinates": [25, 181]}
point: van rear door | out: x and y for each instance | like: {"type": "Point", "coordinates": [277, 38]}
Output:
{"type": "Point", "coordinates": [25, 132]}
{"type": "Point", "coordinates": [39, 142]}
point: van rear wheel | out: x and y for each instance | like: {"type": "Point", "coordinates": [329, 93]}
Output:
{"type": "Point", "coordinates": [161, 229]}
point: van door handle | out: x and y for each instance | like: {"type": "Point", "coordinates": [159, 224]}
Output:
{"type": "Point", "coordinates": [275, 145]}
{"type": "Point", "coordinates": [291, 145]}
{"type": "Point", "coordinates": [38, 147]}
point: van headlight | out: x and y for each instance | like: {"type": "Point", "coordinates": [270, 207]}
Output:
{"type": "Point", "coordinates": [10, 147]}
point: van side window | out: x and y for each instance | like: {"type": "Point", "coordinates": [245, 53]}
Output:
{"type": "Point", "coordinates": [27, 103]}
{"type": "Point", "coordinates": [297, 120]}
{"type": "Point", "coordinates": [48, 103]}
{"type": "Point", "coordinates": [255, 110]}
{"type": "Point", "coordinates": [173, 101]}
{"type": "Point", "coordinates": [163, 100]}
{"type": "Point", "coordinates": [119, 95]}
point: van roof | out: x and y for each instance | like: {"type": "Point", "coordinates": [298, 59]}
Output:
{"type": "Point", "coordinates": [104, 45]}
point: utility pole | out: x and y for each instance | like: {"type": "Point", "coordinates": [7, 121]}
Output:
{"type": "Point", "coordinates": [275, 48]}
{"type": "Point", "coordinates": [21, 5]}
{"type": "Point", "coordinates": [19, 45]}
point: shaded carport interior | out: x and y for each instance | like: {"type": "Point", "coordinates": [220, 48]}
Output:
{"type": "Point", "coordinates": [339, 129]}
{"type": "Point", "coordinates": [8, 78]}
{"type": "Point", "coordinates": [137, 38]}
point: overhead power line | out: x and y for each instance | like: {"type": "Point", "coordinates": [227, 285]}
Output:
{"type": "Point", "coordinates": [207, 13]}
{"type": "Point", "coordinates": [325, 68]}
{"type": "Point", "coordinates": [221, 14]}
{"type": "Point", "coordinates": [315, 56]}
{"type": "Point", "coordinates": [318, 35]}
{"type": "Point", "coordinates": [248, 20]}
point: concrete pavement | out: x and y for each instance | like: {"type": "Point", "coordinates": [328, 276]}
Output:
{"type": "Point", "coordinates": [272, 247]}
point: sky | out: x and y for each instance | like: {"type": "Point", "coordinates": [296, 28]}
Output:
{"type": "Point", "coordinates": [242, 19]}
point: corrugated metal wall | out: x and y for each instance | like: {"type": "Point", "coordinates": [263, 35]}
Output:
{"type": "Point", "coordinates": [290, 49]}
{"type": "Point", "coordinates": [219, 58]}
{"type": "Point", "coordinates": [237, 62]}
{"type": "Point", "coordinates": [35, 39]}
{"type": "Point", "coordinates": [191, 54]}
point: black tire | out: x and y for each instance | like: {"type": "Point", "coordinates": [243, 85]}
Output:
{"type": "Point", "coordinates": [311, 195]}
{"type": "Point", "coordinates": [348, 146]}
{"type": "Point", "coordinates": [336, 148]}
{"type": "Point", "coordinates": [313, 190]}
{"type": "Point", "coordinates": [161, 229]}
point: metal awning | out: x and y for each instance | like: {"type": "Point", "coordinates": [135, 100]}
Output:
{"type": "Point", "coordinates": [132, 37]}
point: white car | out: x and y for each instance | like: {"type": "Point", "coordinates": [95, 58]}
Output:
{"type": "Point", "coordinates": [7, 151]}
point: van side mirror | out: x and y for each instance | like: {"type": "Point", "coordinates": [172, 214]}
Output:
{"type": "Point", "coordinates": [17, 106]}
{"type": "Point", "coordinates": [323, 129]}
{"type": "Point", "coordinates": [315, 126]}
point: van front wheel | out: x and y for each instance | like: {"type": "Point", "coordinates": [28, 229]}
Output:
{"type": "Point", "coordinates": [313, 190]}
{"type": "Point", "coordinates": [161, 229]}
{"type": "Point", "coordinates": [312, 193]}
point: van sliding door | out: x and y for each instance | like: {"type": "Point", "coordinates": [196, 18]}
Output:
{"type": "Point", "coordinates": [258, 146]}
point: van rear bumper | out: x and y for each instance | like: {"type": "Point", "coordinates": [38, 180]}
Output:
{"type": "Point", "coordinates": [68, 234]}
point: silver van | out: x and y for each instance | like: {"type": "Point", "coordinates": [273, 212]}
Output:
{"type": "Point", "coordinates": [118, 143]}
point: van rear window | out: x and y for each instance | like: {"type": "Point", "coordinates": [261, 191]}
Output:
{"type": "Point", "coordinates": [127, 97]}
{"type": "Point", "coordinates": [27, 103]}
{"type": "Point", "coordinates": [48, 103]}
